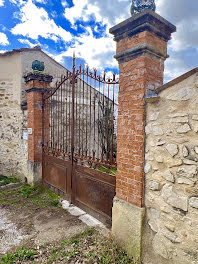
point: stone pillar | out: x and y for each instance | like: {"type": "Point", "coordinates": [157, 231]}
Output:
{"type": "Point", "coordinates": [141, 52]}
{"type": "Point", "coordinates": [36, 85]}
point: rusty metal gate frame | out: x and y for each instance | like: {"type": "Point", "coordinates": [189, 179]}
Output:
{"type": "Point", "coordinates": [69, 169]}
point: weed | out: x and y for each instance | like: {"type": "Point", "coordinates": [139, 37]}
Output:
{"type": "Point", "coordinates": [28, 191]}
{"type": "Point", "coordinates": [5, 180]}
{"type": "Point", "coordinates": [30, 196]}
{"type": "Point", "coordinates": [20, 255]}
{"type": "Point", "coordinates": [111, 171]}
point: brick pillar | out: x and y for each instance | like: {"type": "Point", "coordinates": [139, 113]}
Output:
{"type": "Point", "coordinates": [36, 85]}
{"type": "Point", "coordinates": [141, 52]}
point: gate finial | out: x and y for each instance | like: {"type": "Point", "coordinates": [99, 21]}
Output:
{"type": "Point", "coordinates": [74, 59]}
{"type": "Point", "coordinates": [139, 5]}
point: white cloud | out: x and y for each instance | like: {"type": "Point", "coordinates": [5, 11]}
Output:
{"type": "Point", "coordinates": [174, 68]}
{"type": "Point", "coordinates": [1, 2]}
{"type": "Point", "coordinates": [3, 39]}
{"type": "Point", "coordinates": [27, 42]}
{"type": "Point", "coordinates": [97, 52]}
{"type": "Point", "coordinates": [35, 22]}
{"type": "Point", "coordinates": [40, 1]}
{"type": "Point", "coordinates": [107, 12]}
{"type": "Point", "coordinates": [64, 3]}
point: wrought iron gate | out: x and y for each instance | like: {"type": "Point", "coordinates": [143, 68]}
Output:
{"type": "Point", "coordinates": [79, 140]}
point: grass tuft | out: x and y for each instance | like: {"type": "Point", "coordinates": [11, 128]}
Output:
{"type": "Point", "coordinates": [5, 180]}
{"type": "Point", "coordinates": [21, 254]}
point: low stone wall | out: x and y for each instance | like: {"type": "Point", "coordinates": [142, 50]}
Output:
{"type": "Point", "coordinates": [171, 172]}
{"type": "Point", "coordinates": [13, 148]}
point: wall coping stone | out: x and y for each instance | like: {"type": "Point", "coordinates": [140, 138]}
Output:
{"type": "Point", "coordinates": [37, 90]}
{"type": "Point", "coordinates": [140, 50]}
{"type": "Point", "coordinates": [176, 80]}
{"type": "Point", "coordinates": [147, 20]}
{"type": "Point", "coordinates": [151, 98]}
{"type": "Point", "coordinates": [37, 76]}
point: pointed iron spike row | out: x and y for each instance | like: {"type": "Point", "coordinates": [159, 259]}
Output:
{"type": "Point", "coordinates": [114, 77]}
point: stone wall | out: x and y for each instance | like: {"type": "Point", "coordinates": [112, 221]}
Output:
{"type": "Point", "coordinates": [13, 148]}
{"type": "Point", "coordinates": [171, 173]}
{"type": "Point", "coordinates": [13, 119]}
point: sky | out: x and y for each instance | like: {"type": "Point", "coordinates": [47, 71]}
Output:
{"type": "Point", "coordinates": [62, 26]}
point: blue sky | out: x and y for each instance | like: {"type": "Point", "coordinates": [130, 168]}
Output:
{"type": "Point", "coordinates": [61, 26]}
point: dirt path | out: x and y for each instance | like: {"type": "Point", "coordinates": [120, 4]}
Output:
{"type": "Point", "coordinates": [45, 226]}
{"type": "Point", "coordinates": [9, 233]}
{"type": "Point", "coordinates": [33, 218]}
{"type": "Point", "coordinates": [30, 221]}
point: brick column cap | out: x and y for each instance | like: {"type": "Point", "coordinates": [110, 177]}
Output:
{"type": "Point", "coordinates": [38, 76]}
{"type": "Point", "coordinates": [147, 20]}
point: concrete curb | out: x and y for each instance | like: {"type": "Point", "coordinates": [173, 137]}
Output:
{"type": "Point", "coordinates": [82, 215]}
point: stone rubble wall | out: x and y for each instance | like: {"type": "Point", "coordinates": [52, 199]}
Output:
{"type": "Point", "coordinates": [13, 122]}
{"type": "Point", "coordinates": [171, 176]}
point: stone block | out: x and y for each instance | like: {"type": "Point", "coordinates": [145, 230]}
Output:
{"type": "Point", "coordinates": [90, 221]}
{"type": "Point", "coordinates": [160, 143]}
{"type": "Point", "coordinates": [154, 116]}
{"type": "Point", "coordinates": [157, 131]}
{"type": "Point", "coordinates": [65, 204]}
{"type": "Point", "coordinates": [168, 175]}
{"type": "Point", "coordinates": [185, 151]}
{"type": "Point", "coordinates": [188, 171]}
{"type": "Point", "coordinates": [173, 199]}
{"type": "Point", "coordinates": [173, 162]}
{"type": "Point", "coordinates": [73, 210]}
{"type": "Point", "coordinates": [170, 226]}
{"type": "Point", "coordinates": [34, 172]}
{"type": "Point", "coordinates": [182, 94]}
{"type": "Point", "coordinates": [183, 129]}
{"type": "Point", "coordinates": [180, 119]}
{"type": "Point", "coordinates": [127, 221]}
{"type": "Point", "coordinates": [172, 149]}
{"type": "Point", "coordinates": [154, 186]}
{"type": "Point", "coordinates": [147, 167]}
{"type": "Point", "coordinates": [185, 181]}
{"type": "Point", "coordinates": [189, 162]}
{"type": "Point", "coordinates": [194, 202]}
{"type": "Point", "coordinates": [178, 202]}
{"type": "Point", "coordinates": [171, 236]}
